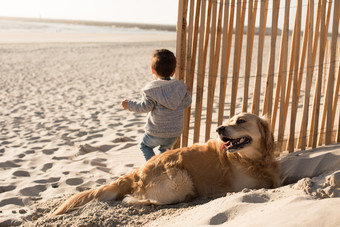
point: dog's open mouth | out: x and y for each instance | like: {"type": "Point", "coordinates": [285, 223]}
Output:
{"type": "Point", "coordinates": [233, 145]}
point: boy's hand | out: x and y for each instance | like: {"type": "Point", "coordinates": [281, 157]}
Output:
{"type": "Point", "coordinates": [125, 104]}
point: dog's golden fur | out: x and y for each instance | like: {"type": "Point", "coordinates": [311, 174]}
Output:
{"type": "Point", "coordinates": [241, 157]}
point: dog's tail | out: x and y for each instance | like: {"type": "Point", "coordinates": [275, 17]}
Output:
{"type": "Point", "coordinates": [112, 191]}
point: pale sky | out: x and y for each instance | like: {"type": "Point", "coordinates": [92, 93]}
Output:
{"type": "Point", "coordinates": [135, 11]}
{"type": "Point", "coordinates": [131, 11]}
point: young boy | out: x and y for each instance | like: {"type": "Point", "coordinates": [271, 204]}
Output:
{"type": "Point", "coordinates": [165, 100]}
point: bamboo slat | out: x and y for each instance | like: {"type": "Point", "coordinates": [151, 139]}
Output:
{"type": "Point", "coordinates": [282, 71]}
{"type": "Point", "coordinates": [331, 75]}
{"type": "Point", "coordinates": [243, 14]}
{"type": "Point", "coordinates": [252, 8]}
{"type": "Point", "coordinates": [290, 73]}
{"type": "Point", "coordinates": [226, 46]}
{"type": "Point", "coordinates": [237, 50]}
{"type": "Point", "coordinates": [181, 35]}
{"type": "Point", "coordinates": [314, 57]}
{"type": "Point", "coordinates": [282, 74]}
{"type": "Point", "coordinates": [336, 93]}
{"type": "Point", "coordinates": [315, 47]}
{"type": "Point", "coordinates": [191, 62]}
{"type": "Point", "coordinates": [213, 64]}
{"type": "Point", "coordinates": [268, 101]}
{"type": "Point", "coordinates": [295, 79]}
{"type": "Point", "coordinates": [303, 135]}
{"type": "Point", "coordinates": [324, 112]}
{"type": "Point", "coordinates": [200, 74]}
{"type": "Point", "coordinates": [320, 70]}
{"type": "Point", "coordinates": [180, 49]}
{"type": "Point", "coordinates": [302, 61]}
{"type": "Point", "coordinates": [263, 20]}
{"type": "Point", "coordinates": [326, 61]}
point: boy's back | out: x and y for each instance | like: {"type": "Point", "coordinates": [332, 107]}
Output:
{"type": "Point", "coordinates": [164, 99]}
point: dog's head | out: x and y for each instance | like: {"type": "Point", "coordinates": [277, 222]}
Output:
{"type": "Point", "coordinates": [246, 134]}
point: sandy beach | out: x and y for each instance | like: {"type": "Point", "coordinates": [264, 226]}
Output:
{"type": "Point", "coordinates": [62, 131]}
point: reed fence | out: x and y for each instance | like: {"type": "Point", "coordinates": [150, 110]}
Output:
{"type": "Point", "coordinates": [223, 63]}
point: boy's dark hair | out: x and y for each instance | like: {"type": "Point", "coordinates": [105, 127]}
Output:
{"type": "Point", "coordinates": [163, 61]}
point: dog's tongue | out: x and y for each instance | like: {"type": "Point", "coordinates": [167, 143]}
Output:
{"type": "Point", "coordinates": [225, 145]}
{"type": "Point", "coordinates": [229, 144]}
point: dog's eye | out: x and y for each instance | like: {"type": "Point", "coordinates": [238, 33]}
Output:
{"type": "Point", "coordinates": [240, 121]}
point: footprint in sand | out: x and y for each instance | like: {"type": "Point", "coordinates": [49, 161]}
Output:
{"type": "Point", "coordinates": [101, 181]}
{"type": "Point", "coordinates": [81, 133]}
{"type": "Point", "coordinates": [20, 156]}
{"type": "Point", "coordinates": [15, 201]}
{"type": "Point", "coordinates": [104, 169]}
{"type": "Point", "coordinates": [74, 181]}
{"type": "Point", "coordinates": [60, 158]}
{"type": "Point", "coordinates": [219, 219]}
{"type": "Point", "coordinates": [97, 162]}
{"type": "Point", "coordinates": [49, 180]}
{"type": "Point", "coordinates": [29, 152]}
{"type": "Point", "coordinates": [255, 198]}
{"type": "Point", "coordinates": [94, 136]}
{"type": "Point", "coordinates": [21, 173]}
{"type": "Point", "coordinates": [33, 191]}
{"type": "Point", "coordinates": [5, 143]}
{"type": "Point", "coordinates": [49, 151]}
{"type": "Point", "coordinates": [8, 164]}
{"type": "Point", "coordinates": [7, 188]}
{"type": "Point", "coordinates": [123, 139]}
{"type": "Point", "coordinates": [87, 148]}
{"type": "Point", "coordinates": [46, 167]}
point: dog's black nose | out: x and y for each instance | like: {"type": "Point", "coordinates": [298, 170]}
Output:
{"type": "Point", "coordinates": [220, 129]}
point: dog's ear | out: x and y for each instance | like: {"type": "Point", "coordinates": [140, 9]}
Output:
{"type": "Point", "coordinates": [267, 135]}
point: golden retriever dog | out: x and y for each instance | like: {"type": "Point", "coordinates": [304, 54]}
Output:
{"type": "Point", "coordinates": [240, 157]}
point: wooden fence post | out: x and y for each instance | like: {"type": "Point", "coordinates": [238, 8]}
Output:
{"type": "Point", "coordinates": [191, 62]}
{"type": "Point", "coordinates": [181, 35]}
{"type": "Point", "coordinates": [295, 80]}
{"type": "Point", "coordinates": [226, 49]}
{"type": "Point", "coordinates": [252, 8]}
{"type": "Point", "coordinates": [203, 46]}
{"type": "Point", "coordinates": [336, 94]}
{"type": "Point", "coordinates": [304, 123]}
{"type": "Point", "coordinates": [257, 90]}
{"type": "Point", "coordinates": [315, 47]}
{"type": "Point", "coordinates": [320, 70]}
{"type": "Point", "coordinates": [314, 58]}
{"type": "Point", "coordinates": [213, 64]}
{"type": "Point", "coordinates": [302, 61]}
{"type": "Point", "coordinates": [290, 73]}
{"type": "Point", "coordinates": [268, 99]}
{"type": "Point", "coordinates": [331, 75]}
{"type": "Point", "coordinates": [324, 112]}
{"type": "Point", "coordinates": [282, 75]}
{"type": "Point", "coordinates": [237, 50]}
{"type": "Point", "coordinates": [180, 49]}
